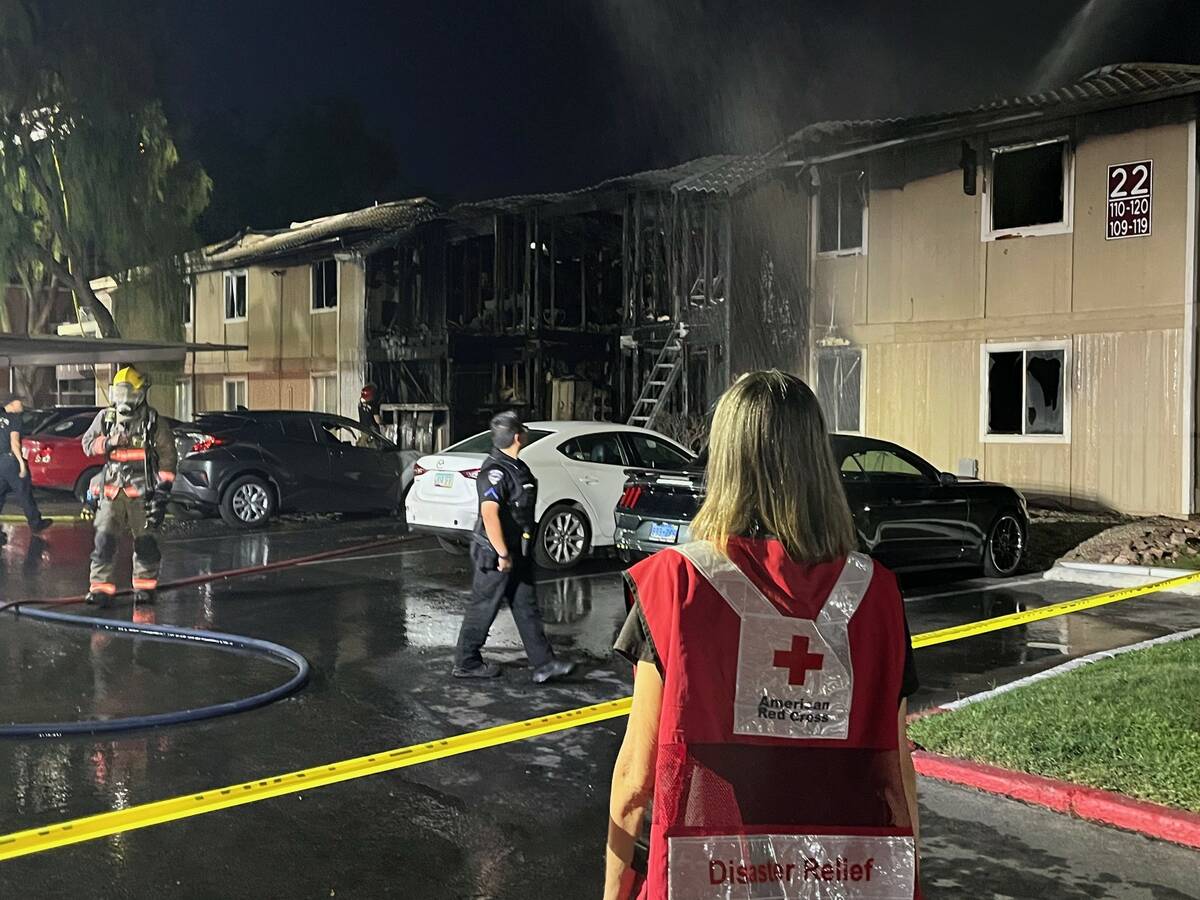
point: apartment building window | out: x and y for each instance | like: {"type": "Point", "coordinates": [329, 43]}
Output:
{"type": "Point", "coordinates": [1026, 392]}
{"type": "Point", "coordinates": [183, 400]}
{"type": "Point", "coordinates": [324, 285]}
{"type": "Point", "coordinates": [189, 301]}
{"type": "Point", "coordinates": [1029, 189]}
{"type": "Point", "coordinates": [235, 393]}
{"type": "Point", "coordinates": [839, 387]}
{"type": "Point", "coordinates": [235, 296]}
{"type": "Point", "coordinates": [842, 212]}
{"type": "Point", "coordinates": [324, 393]}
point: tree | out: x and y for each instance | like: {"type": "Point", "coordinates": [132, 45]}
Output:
{"type": "Point", "coordinates": [91, 182]}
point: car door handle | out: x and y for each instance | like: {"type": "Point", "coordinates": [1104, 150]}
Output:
{"type": "Point", "coordinates": [589, 480]}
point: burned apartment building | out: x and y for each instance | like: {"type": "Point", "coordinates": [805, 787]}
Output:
{"type": "Point", "coordinates": [636, 300]}
{"type": "Point", "coordinates": [1010, 290]}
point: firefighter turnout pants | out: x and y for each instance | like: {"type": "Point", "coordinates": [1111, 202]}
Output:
{"type": "Point", "coordinates": [117, 516]}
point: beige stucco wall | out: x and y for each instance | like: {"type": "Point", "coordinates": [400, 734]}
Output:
{"type": "Point", "coordinates": [934, 291]}
{"type": "Point", "coordinates": [287, 342]}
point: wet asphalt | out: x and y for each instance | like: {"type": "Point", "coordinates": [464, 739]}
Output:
{"type": "Point", "coordinates": [525, 820]}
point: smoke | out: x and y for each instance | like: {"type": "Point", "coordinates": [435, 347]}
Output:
{"type": "Point", "coordinates": [1087, 37]}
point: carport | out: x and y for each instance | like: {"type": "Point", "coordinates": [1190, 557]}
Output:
{"type": "Point", "coordinates": [56, 350]}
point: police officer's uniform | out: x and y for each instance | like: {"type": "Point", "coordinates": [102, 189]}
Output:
{"type": "Point", "coordinates": [11, 481]}
{"type": "Point", "coordinates": [508, 482]}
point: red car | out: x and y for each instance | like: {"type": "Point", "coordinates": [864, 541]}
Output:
{"type": "Point", "coordinates": [56, 458]}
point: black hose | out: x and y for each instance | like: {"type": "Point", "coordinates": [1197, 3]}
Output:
{"type": "Point", "coordinates": [212, 638]}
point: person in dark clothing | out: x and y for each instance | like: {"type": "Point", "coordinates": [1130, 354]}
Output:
{"type": "Point", "coordinates": [14, 472]}
{"type": "Point", "coordinates": [368, 408]}
{"type": "Point", "coordinates": [502, 568]}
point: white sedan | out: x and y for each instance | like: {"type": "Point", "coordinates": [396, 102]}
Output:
{"type": "Point", "coordinates": [580, 468]}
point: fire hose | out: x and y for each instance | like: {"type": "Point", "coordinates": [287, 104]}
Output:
{"type": "Point", "coordinates": [213, 639]}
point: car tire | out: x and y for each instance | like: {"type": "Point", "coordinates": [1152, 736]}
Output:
{"type": "Point", "coordinates": [1004, 548]}
{"type": "Point", "coordinates": [564, 537]}
{"type": "Point", "coordinates": [82, 482]}
{"type": "Point", "coordinates": [454, 548]}
{"type": "Point", "coordinates": [248, 502]}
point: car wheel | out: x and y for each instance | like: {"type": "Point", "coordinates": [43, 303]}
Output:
{"type": "Point", "coordinates": [82, 482]}
{"type": "Point", "coordinates": [454, 548]}
{"type": "Point", "coordinates": [1005, 546]}
{"type": "Point", "coordinates": [249, 502]}
{"type": "Point", "coordinates": [563, 538]}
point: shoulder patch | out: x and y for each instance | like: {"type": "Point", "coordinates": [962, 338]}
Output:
{"type": "Point", "coordinates": [495, 476]}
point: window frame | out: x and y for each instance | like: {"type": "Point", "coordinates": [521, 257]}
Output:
{"type": "Point", "coordinates": [234, 379]}
{"type": "Point", "coordinates": [1066, 226]}
{"type": "Point", "coordinates": [312, 286]}
{"type": "Point", "coordinates": [860, 250]}
{"type": "Point", "coordinates": [189, 391]}
{"type": "Point", "coordinates": [312, 392]}
{"type": "Point", "coordinates": [231, 275]}
{"type": "Point", "coordinates": [615, 436]}
{"type": "Point", "coordinates": [189, 305]}
{"type": "Point", "coordinates": [635, 458]}
{"type": "Point", "coordinates": [985, 350]}
{"type": "Point", "coordinates": [862, 384]}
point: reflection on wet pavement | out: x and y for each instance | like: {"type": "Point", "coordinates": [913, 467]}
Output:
{"type": "Point", "coordinates": [378, 629]}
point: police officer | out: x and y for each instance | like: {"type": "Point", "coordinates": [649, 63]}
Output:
{"type": "Point", "coordinates": [503, 570]}
{"type": "Point", "coordinates": [14, 472]}
{"type": "Point", "coordinates": [134, 485]}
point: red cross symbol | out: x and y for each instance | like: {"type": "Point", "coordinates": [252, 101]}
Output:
{"type": "Point", "coordinates": [798, 661]}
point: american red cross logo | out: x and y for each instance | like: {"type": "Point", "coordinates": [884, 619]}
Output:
{"type": "Point", "coordinates": [798, 661]}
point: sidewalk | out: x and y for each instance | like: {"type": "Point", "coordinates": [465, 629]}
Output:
{"type": "Point", "coordinates": [984, 847]}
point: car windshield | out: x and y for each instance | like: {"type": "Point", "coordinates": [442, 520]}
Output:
{"type": "Point", "coordinates": [482, 442]}
{"type": "Point", "coordinates": [69, 428]}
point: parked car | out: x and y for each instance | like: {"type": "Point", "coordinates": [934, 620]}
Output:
{"type": "Point", "coordinates": [248, 466]}
{"type": "Point", "coordinates": [37, 420]}
{"type": "Point", "coordinates": [55, 454]}
{"type": "Point", "coordinates": [580, 467]}
{"type": "Point", "coordinates": [908, 514]}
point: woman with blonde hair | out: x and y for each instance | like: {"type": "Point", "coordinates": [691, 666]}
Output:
{"type": "Point", "coordinates": [773, 666]}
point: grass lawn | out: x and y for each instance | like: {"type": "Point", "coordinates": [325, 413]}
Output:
{"type": "Point", "coordinates": [1130, 724]}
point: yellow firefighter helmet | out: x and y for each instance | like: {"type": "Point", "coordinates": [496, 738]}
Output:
{"type": "Point", "coordinates": [128, 390]}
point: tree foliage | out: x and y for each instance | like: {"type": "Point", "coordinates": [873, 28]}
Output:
{"type": "Point", "coordinates": [91, 182]}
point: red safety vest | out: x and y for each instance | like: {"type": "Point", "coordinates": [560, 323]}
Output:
{"type": "Point", "coordinates": [778, 772]}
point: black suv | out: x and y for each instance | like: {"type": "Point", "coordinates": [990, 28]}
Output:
{"type": "Point", "coordinates": [248, 466]}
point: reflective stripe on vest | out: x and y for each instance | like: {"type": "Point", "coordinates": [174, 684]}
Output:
{"type": "Point", "coordinates": [794, 676]}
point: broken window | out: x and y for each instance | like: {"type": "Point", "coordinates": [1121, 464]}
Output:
{"type": "Point", "coordinates": [839, 387]}
{"type": "Point", "coordinates": [1026, 391]}
{"type": "Point", "coordinates": [1029, 186]}
{"type": "Point", "coordinates": [324, 285]}
{"type": "Point", "coordinates": [841, 202]}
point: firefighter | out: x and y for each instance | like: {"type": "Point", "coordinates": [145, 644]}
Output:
{"type": "Point", "coordinates": [368, 408]}
{"type": "Point", "coordinates": [133, 486]}
{"type": "Point", "coordinates": [773, 667]}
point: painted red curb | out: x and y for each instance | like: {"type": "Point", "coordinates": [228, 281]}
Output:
{"type": "Point", "coordinates": [1092, 804]}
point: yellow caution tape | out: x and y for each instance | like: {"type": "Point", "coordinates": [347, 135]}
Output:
{"type": "Point", "coordinates": [35, 840]}
{"type": "Point", "coordinates": [971, 629]}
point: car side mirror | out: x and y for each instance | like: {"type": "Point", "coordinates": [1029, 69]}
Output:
{"type": "Point", "coordinates": [945, 479]}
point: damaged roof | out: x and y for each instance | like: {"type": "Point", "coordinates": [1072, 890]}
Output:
{"type": "Point", "coordinates": [1108, 87]}
{"type": "Point", "coordinates": [341, 231]}
{"type": "Point", "coordinates": [732, 175]}
{"type": "Point", "coordinates": [652, 179]}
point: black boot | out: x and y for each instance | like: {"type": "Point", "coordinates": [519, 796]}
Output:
{"type": "Point", "coordinates": [98, 598]}
{"type": "Point", "coordinates": [144, 598]}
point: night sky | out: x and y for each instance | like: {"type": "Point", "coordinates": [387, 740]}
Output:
{"type": "Point", "coordinates": [465, 99]}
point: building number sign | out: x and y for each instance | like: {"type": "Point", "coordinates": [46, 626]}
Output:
{"type": "Point", "coordinates": [1130, 196]}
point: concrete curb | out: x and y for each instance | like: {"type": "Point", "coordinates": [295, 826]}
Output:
{"type": "Point", "coordinates": [1105, 575]}
{"type": "Point", "coordinates": [1088, 803]}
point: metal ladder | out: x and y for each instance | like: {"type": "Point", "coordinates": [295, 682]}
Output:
{"type": "Point", "coordinates": [663, 376]}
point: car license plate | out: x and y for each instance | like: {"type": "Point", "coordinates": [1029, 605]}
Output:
{"type": "Point", "coordinates": [664, 532]}
{"type": "Point", "coordinates": [443, 479]}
